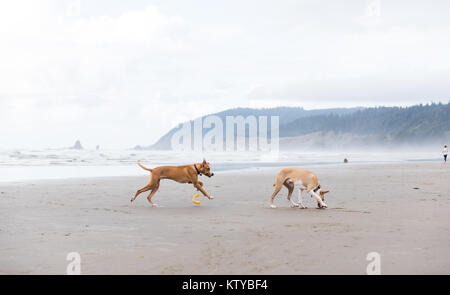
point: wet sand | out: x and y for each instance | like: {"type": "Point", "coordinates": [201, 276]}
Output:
{"type": "Point", "coordinates": [401, 211]}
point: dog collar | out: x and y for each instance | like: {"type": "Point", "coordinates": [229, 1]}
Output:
{"type": "Point", "coordinates": [317, 188]}
{"type": "Point", "coordinates": [196, 169]}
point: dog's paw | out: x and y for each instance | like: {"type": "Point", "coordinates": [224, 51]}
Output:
{"type": "Point", "coordinates": [294, 205]}
{"type": "Point", "coordinates": [303, 207]}
{"type": "Point", "coordinates": [155, 205]}
{"type": "Point", "coordinates": [211, 197]}
{"type": "Point", "coordinates": [273, 206]}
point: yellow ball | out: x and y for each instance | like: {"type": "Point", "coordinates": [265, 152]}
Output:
{"type": "Point", "coordinates": [194, 199]}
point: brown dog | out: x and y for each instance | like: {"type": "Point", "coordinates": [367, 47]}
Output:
{"type": "Point", "coordinates": [182, 174]}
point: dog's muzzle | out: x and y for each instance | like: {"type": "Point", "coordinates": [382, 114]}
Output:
{"type": "Point", "coordinates": [212, 174]}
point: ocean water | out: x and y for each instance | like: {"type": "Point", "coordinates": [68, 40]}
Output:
{"type": "Point", "coordinates": [21, 165]}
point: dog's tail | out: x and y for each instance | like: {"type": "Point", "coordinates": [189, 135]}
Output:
{"type": "Point", "coordinates": [142, 166]}
{"type": "Point", "coordinates": [280, 179]}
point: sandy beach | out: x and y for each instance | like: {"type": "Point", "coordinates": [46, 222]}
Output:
{"type": "Point", "coordinates": [401, 211]}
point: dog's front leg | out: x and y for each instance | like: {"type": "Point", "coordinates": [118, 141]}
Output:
{"type": "Point", "coordinates": [199, 187]}
{"type": "Point", "coordinates": [319, 200]}
{"type": "Point", "coordinates": [300, 202]}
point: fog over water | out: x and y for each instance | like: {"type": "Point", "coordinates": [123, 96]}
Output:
{"type": "Point", "coordinates": [18, 165]}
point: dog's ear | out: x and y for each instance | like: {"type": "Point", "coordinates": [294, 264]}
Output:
{"type": "Point", "coordinates": [204, 161]}
{"type": "Point", "coordinates": [324, 192]}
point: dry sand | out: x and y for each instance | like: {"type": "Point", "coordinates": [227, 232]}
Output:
{"type": "Point", "coordinates": [401, 211]}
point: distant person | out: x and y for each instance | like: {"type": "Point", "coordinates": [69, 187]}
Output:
{"type": "Point", "coordinates": [445, 153]}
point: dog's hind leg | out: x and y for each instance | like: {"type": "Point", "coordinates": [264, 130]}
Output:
{"type": "Point", "coordinates": [144, 189]}
{"type": "Point", "coordinates": [289, 184]}
{"type": "Point", "coordinates": [279, 181]}
{"type": "Point", "coordinates": [154, 190]}
{"type": "Point", "coordinates": [278, 187]}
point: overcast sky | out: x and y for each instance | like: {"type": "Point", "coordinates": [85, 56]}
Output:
{"type": "Point", "coordinates": [121, 73]}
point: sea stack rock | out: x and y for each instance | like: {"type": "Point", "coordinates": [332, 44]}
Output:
{"type": "Point", "coordinates": [77, 146]}
{"type": "Point", "coordinates": [345, 160]}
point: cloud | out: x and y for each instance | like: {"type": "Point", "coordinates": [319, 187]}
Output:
{"type": "Point", "coordinates": [75, 70]}
{"type": "Point", "coordinates": [120, 75]}
{"type": "Point", "coordinates": [54, 55]}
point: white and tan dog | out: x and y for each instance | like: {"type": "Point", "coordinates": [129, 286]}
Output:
{"type": "Point", "coordinates": [305, 180]}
